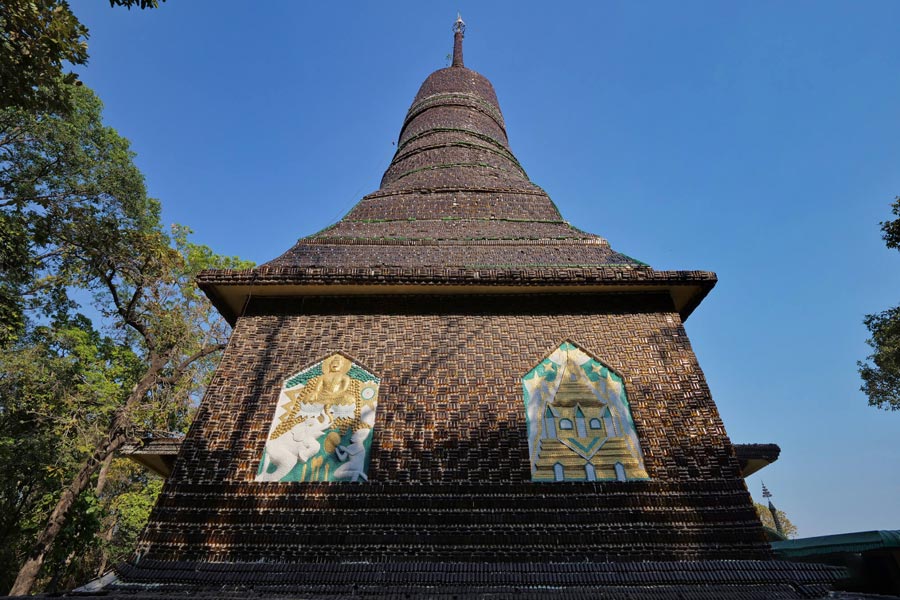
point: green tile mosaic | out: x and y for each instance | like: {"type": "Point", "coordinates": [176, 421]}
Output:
{"type": "Point", "coordinates": [579, 422]}
{"type": "Point", "coordinates": [322, 428]}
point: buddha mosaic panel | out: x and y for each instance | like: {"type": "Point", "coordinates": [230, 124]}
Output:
{"type": "Point", "coordinates": [579, 422]}
{"type": "Point", "coordinates": [322, 429]}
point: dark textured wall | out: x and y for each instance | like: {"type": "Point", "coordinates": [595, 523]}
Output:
{"type": "Point", "coordinates": [451, 403]}
{"type": "Point", "coordinates": [449, 475]}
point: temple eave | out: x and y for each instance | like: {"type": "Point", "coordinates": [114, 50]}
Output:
{"type": "Point", "coordinates": [231, 290]}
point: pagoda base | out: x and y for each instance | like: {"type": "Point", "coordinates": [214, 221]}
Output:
{"type": "Point", "coordinates": [713, 580]}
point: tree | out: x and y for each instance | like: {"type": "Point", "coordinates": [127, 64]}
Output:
{"type": "Point", "coordinates": [789, 529]}
{"type": "Point", "coordinates": [141, 3]}
{"type": "Point", "coordinates": [881, 377]}
{"type": "Point", "coordinates": [74, 390]}
{"type": "Point", "coordinates": [64, 178]}
{"type": "Point", "coordinates": [128, 503]}
{"type": "Point", "coordinates": [36, 38]}
{"type": "Point", "coordinates": [146, 289]}
{"type": "Point", "coordinates": [57, 385]}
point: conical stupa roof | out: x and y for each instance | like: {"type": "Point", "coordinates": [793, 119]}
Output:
{"type": "Point", "coordinates": [455, 207]}
{"type": "Point", "coordinates": [456, 192]}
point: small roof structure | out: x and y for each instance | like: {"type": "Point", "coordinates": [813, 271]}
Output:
{"type": "Point", "coordinates": [753, 457]}
{"type": "Point", "coordinates": [155, 453]}
{"type": "Point", "coordinates": [872, 558]}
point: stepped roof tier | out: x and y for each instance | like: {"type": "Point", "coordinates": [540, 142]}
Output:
{"type": "Point", "coordinates": [455, 209]}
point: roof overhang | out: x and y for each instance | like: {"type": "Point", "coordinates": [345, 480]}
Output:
{"type": "Point", "coordinates": [156, 454]}
{"type": "Point", "coordinates": [753, 457]}
{"type": "Point", "coordinates": [230, 291]}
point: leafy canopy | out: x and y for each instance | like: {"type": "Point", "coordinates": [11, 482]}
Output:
{"type": "Point", "coordinates": [67, 184]}
{"type": "Point", "coordinates": [788, 528]}
{"type": "Point", "coordinates": [881, 371]}
{"type": "Point", "coordinates": [82, 237]}
{"type": "Point", "coordinates": [37, 37]}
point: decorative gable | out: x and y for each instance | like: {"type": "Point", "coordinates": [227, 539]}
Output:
{"type": "Point", "coordinates": [579, 421]}
{"type": "Point", "coordinates": [322, 429]}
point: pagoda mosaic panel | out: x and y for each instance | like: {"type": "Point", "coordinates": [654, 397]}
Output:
{"type": "Point", "coordinates": [322, 428]}
{"type": "Point", "coordinates": [579, 422]}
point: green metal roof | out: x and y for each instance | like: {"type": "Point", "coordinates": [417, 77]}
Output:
{"type": "Point", "coordinates": [861, 541]}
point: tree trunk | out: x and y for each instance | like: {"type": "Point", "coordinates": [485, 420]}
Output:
{"type": "Point", "coordinates": [117, 436]}
{"type": "Point", "coordinates": [98, 489]}
{"type": "Point", "coordinates": [101, 478]}
{"type": "Point", "coordinates": [29, 571]}
{"type": "Point", "coordinates": [104, 556]}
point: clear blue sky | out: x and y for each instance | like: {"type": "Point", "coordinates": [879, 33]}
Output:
{"type": "Point", "coordinates": [759, 140]}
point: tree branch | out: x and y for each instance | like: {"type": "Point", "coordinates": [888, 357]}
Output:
{"type": "Point", "coordinates": [138, 290]}
{"type": "Point", "coordinates": [178, 371]}
{"type": "Point", "coordinates": [126, 312]}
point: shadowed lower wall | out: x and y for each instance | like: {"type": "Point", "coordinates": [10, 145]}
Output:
{"type": "Point", "coordinates": [449, 472]}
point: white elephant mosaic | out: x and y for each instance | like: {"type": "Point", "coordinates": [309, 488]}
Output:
{"type": "Point", "coordinates": [322, 429]}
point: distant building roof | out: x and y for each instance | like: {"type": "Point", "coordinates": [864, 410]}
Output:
{"type": "Point", "coordinates": [861, 541]}
{"type": "Point", "coordinates": [871, 558]}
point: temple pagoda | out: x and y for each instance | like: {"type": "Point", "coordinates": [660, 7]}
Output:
{"type": "Point", "coordinates": [452, 392]}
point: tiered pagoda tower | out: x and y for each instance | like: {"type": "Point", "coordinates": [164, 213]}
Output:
{"type": "Point", "coordinates": [453, 392]}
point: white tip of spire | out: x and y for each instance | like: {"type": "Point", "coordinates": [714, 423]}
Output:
{"type": "Point", "coordinates": [459, 24]}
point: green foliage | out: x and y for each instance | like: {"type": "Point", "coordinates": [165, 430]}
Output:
{"type": "Point", "coordinates": [129, 505]}
{"type": "Point", "coordinates": [67, 182]}
{"type": "Point", "coordinates": [881, 372]}
{"type": "Point", "coordinates": [81, 237]}
{"type": "Point", "coordinates": [58, 387]}
{"type": "Point", "coordinates": [103, 528]}
{"type": "Point", "coordinates": [36, 37]}
{"type": "Point", "coordinates": [789, 529]}
{"type": "Point", "coordinates": [891, 229]}
{"type": "Point", "coordinates": [141, 3]}
{"type": "Point", "coordinates": [75, 215]}
{"type": "Point", "coordinates": [881, 376]}
{"type": "Point", "coordinates": [14, 273]}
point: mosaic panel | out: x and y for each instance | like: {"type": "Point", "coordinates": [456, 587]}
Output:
{"type": "Point", "coordinates": [579, 422]}
{"type": "Point", "coordinates": [322, 429]}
